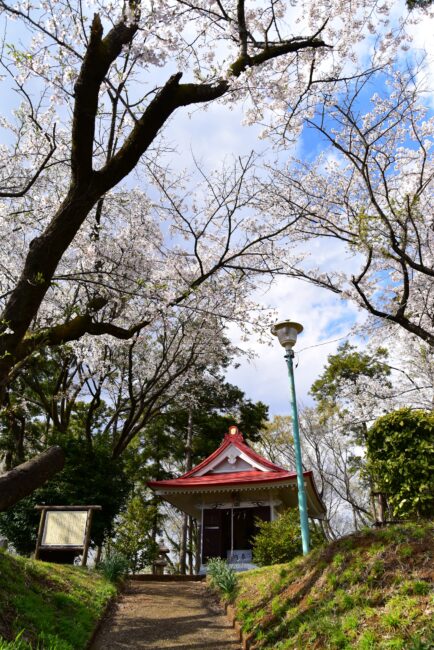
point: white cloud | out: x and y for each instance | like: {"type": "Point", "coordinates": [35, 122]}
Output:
{"type": "Point", "coordinates": [211, 134]}
{"type": "Point", "coordinates": [326, 320]}
{"type": "Point", "coordinates": [422, 47]}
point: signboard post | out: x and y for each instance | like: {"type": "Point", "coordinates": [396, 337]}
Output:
{"type": "Point", "coordinates": [65, 528]}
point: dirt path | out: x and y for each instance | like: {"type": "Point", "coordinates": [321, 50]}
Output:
{"type": "Point", "coordinates": [166, 615]}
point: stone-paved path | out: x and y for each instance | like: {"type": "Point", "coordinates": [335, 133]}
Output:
{"type": "Point", "coordinates": [166, 615]}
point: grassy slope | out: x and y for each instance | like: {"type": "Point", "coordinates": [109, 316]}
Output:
{"type": "Point", "coordinates": [372, 590]}
{"type": "Point", "coordinates": [59, 604]}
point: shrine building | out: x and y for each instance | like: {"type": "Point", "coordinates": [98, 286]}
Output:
{"type": "Point", "coordinates": [228, 491]}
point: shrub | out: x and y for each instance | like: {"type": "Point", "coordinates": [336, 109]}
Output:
{"type": "Point", "coordinates": [222, 577]}
{"type": "Point", "coordinates": [280, 540]}
{"type": "Point", "coordinates": [401, 460]}
{"type": "Point", "coordinates": [113, 567]}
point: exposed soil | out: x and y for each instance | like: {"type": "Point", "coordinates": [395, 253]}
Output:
{"type": "Point", "coordinates": [166, 615]}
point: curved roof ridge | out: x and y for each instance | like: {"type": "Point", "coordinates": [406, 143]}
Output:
{"type": "Point", "coordinates": [233, 437]}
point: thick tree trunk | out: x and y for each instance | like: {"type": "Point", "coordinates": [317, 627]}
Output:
{"type": "Point", "coordinates": [22, 480]}
{"type": "Point", "coordinates": [382, 508]}
{"type": "Point", "coordinates": [98, 554]}
{"type": "Point", "coordinates": [183, 546]}
{"type": "Point", "coordinates": [184, 542]}
{"type": "Point", "coordinates": [197, 549]}
{"type": "Point", "coordinates": [191, 545]}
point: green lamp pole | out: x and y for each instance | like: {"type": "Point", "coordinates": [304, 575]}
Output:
{"type": "Point", "coordinates": [287, 331]}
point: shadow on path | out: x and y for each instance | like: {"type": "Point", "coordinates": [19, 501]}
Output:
{"type": "Point", "coordinates": [165, 615]}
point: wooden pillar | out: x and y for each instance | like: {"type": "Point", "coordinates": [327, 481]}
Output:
{"type": "Point", "coordinates": [40, 532]}
{"type": "Point", "coordinates": [201, 532]}
{"type": "Point", "coordinates": [198, 547]}
{"type": "Point", "coordinates": [232, 533]}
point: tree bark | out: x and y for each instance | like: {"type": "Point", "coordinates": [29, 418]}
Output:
{"type": "Point", "coordinates": [183, 546]}
{"type": "Point", "coordinates": [191, 540]}
{"type": "Point", "coordinates": [197, 548]}
{"type": "Point", "coordinates": [185, 542]}
{"type": "Point", "coordinates": [22, 480]}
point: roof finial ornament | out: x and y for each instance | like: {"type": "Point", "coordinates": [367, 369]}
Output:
{"type": "Point", "coordinates": [234, 433]}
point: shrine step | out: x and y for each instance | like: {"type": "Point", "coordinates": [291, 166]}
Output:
{"type": "Point", "coordinates": [145, 577]}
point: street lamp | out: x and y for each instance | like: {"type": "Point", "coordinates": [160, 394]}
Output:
{"type": "Point", "coordinates": [287, 331]}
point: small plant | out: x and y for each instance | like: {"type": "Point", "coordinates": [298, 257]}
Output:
{"type": "Point", "coordinates": [405, 551]}
{"type": "Point", "coordinates": [113, 567]}
{"type": "Point", "coordinates": [44, 642]}
{"type": "Point", "coordinates": [421, 588]}
{"type": "Point", "coordinates": [416, 587]}
{"type": "Point", "coordinates": [368, 641]}
{"type": "Point", "coordinates": [392, 619]}
{"type": "Point", "coordinates": [222, 577]}
{"type": "Point", "coordinates": [17, 644]}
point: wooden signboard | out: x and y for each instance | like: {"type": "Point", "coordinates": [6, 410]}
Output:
{"type": "Point", "coordinates": [65, 528]}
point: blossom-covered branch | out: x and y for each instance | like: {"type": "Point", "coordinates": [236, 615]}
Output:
{"type": "Point", "coordinates": [373, 192]}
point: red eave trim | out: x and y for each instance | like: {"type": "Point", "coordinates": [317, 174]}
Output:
{"type": "Point", "coordinates": [236, 478]}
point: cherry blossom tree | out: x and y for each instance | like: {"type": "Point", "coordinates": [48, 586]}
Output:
{"type": "Point", "coordinates": [372, 191]}
{"type": "Point", "coordinates": [330, 454]}
{"type": "Point", "coordinates": [100, 90]}
{"type": "Point", "coordinates": [413, 370]}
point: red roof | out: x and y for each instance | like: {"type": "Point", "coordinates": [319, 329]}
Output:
{"type": "Point", "coordinates": [189, 480]}
{"type": "Point", "coordinates": [237, 440]}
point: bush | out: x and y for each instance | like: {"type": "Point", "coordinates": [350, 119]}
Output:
{"type": "Point", "coordinates": [401, 460]}
{"type": "Point", "coordinates": [113, 567]}
{"type": "Point", "coordinates": [280, 540]}
{"type": "Point", "coordinates": [222, 577]}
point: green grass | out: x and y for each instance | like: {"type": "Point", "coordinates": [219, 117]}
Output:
{"type": "Point", "coordinates": [373, 590]}
{"type": "Point", "coordinates": [48, 606]}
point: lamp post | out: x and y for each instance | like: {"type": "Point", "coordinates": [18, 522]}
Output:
{"type": "Point", "coordinates": [287, 331]}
